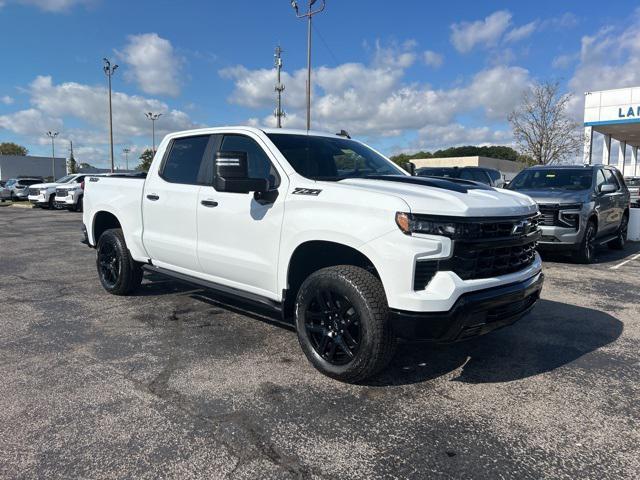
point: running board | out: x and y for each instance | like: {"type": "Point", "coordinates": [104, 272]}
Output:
{"type": "Point", "coordinates": [247, 300]}
{"type": "Point", "coordinates": [602, 241]}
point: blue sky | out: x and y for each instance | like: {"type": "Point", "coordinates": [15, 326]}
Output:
{"type": "Point", "coordinates": [401, 75]}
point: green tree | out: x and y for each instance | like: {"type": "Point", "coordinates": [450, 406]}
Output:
{"type": "Point", "coordinates": [493, 151]}
{"type": "Point", "coordinates": [145, 160]}
{"type": "Point", "coordinates": [72, 165]}
{"type": "Point", "coordinates": [10, 148]}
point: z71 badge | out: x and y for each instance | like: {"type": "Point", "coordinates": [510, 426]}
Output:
{"type": "Point", "coordinates": [306, 191]}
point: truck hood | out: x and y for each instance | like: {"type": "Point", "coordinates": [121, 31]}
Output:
{"type": "Point", "coordinates": [557, 196]}
{"type": "Point", "coordinates": [42, 186]}
{"type": "Point", "coordinates": [444, 197]}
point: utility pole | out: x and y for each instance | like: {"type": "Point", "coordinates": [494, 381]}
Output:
{"type": "Point", "coordinates": [109, 70]}
{"type": "Point", "coordinates": [71, 166]}
{"type": "Point", "coordinates": [279, 88]}
{"type": "Point", "coordinates": [126, 151]}
{"type": "Point", "coordinates": [153, 117]}
{"type": "Point", "coordinates": [310, 13]}
{"type": "Point", "coordinates": [52, 136]}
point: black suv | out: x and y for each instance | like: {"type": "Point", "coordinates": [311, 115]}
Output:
{"type": "Point", "coordinates": [581, 206]}
{"type": "Point", "coordinates": [488, 176]}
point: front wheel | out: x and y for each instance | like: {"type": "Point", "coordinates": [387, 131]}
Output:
{"type": "Point", "coordinates": [78, 206]}
{"type": "Point", "coordinates": [119, 274]}
{"type": "Point", "coordinates": [586, 250]}
{"type": "Point", "coordinates": [619, 242]}
{"type": "Point", "coordinates": [342, 320]}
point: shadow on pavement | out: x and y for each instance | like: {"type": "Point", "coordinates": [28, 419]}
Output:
{"type": "Point", "coordinates": [553, 335]}
{"type": "Point", "coordinates": [603, 254]}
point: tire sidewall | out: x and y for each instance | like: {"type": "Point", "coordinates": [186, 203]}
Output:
{"type": "Point", "coordinates": [110, 237]}
{"type": "Point", "coordinates": [341, 285]}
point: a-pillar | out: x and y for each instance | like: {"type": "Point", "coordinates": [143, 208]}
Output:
{"type": "Point", "coordinates": [622, 152]}
{"type": "Point", "coordinates": [606, 149]}
{"type": "Point", "coordinates": [634, 161]}
{"type": "Point", "coordinates": [588, 145]}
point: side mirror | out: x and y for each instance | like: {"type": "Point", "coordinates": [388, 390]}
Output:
{"type": "Point", "coordinates": [607, 188]}
{"type": "Point", "coordinates": [409, 167]}
{"type": "Point", "coordinates": [232, 174]}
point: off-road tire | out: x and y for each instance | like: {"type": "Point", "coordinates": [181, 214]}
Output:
{"type": "Point", "coordinates": [620, 241]}
{"type": "Point", "coordinates": [586, 253]}
{"type": "Point", "coordinates": [365, 293]}
{"type": "Point", "coordinates": [129, 272]}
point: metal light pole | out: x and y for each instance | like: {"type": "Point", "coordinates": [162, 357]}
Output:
{"type": "Point", "coordinates": [52, 136]}
{"type": "Point", "coordinates": [310, 13]}
{"type": "Point", "coordinates": [279, 113]}
{"type": "Point", "coordinates": [126, 157]}
{"type": "Point", "coordinates": [153, 117]}
{"type": "Point", "coordinates": [109, 70]}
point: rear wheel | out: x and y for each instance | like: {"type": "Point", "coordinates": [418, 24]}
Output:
{"type": "Point", "coordinates": [119, 274]}
{"type": "Point", "coordinates": [586, 250]}
{"type": "Point", "coordinates": [342, 323]}
{"type": "Point", "coordinates": [51, 203]}
{"type": "Point", "coordinates": [621, 239]}
{"type": "Point", "coordinates": [78, 206]}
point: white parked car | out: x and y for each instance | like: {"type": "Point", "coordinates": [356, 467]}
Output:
{"type": "Point", "coordinates": [325, 232]}
{"type": "Point", "coordinates": [43, 194]}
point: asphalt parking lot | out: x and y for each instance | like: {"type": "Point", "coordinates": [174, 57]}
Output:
{"type": "Point", "coordinates": [171, 384]}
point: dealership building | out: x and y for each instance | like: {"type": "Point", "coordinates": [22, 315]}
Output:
{"type": "Point", "coordinates": [12, 166]}
{"type": "Point", "coordinates": [613, 115]}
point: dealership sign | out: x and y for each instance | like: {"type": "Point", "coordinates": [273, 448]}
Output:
{"type": "Point", "coordinates": [631, 111]}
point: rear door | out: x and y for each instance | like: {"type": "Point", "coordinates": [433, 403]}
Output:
{"type": "Point", "coordinates": [170, 204]}
{"type": "Point", "coordinates": [607, 202]}
{"type": "Point", "coordinates": [239, 233]}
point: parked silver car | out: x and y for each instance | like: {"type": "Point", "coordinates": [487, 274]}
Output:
{"type": "Point", "coordinates": [18, 188]}
{"type": "Point", "coordinates": [633, 184]}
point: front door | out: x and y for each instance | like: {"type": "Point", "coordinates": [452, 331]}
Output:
{"type": "Point", "coordinates": [170, 205]}
{"type": "Point", "coordinates": [239, 233]}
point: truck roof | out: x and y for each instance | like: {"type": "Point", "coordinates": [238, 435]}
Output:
{"type": "Point", "coordinates": [282, 131]}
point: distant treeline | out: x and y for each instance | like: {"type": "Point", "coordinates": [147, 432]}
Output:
{"type": "Point", "coordinates": [495, 151]}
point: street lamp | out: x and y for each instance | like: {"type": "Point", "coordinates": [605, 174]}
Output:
{"type": "Point", "coordinates": [109, 70]}
{"type": "Point", "coordinates": [52, 136]}
{"type": "Point", "coordinates": [153, 117]}
{"type": "Point", "coordinates": [126, 151]}
{"type": "Point", "coordinates": [310, 13]}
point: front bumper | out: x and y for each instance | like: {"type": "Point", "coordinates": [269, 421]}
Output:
{"type": "Point", "coordinates": [474, 313]}
{"type": "Point", "coordinates": [560, 237]}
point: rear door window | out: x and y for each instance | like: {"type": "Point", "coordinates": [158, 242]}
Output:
{"type": "Point", "coordinates": [184, 161]}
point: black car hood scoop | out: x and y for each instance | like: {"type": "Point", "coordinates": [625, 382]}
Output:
{"type": "Point", "coordinates": [453, 184]}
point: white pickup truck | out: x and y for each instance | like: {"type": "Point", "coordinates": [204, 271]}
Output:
{"type": "Point", "coordinates": [323, 231]}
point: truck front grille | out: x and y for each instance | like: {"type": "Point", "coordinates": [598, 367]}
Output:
{"type": "Point", "coordinates": [34, 192]}
{"type": "Point", "coordinates": [549, 213]}
{"type": "Point", "coordinates": [60, 192]}
{"type": "Point", "coordinates": [471, 261]}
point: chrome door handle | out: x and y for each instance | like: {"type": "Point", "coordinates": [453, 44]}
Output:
{"type": "Point", "coordinates": [153, 196]}
{"type": "Point", "coordinates": [209, 203]}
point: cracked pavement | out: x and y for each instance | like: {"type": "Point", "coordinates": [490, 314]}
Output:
{"type": "Point", "coordinates": [170, 383]}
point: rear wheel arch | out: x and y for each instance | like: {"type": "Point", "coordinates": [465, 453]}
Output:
{"type": "Point", "coordinates": [103, 221]}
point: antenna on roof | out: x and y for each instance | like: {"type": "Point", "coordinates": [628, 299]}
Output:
{"type": "Point", "coordinates": [343, 133]}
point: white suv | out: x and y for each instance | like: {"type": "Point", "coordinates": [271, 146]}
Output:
{"type": "Point", "coordinates": [43, 194]}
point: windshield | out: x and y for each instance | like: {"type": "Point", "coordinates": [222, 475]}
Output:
{"type": "Point", "coordinates": [438, 172]}
{"type": "Point", "coordinates": [556, 179]}
{"type": "Point", "coordinates": [65, 179]}
{"type": "Point", "coordinates": [334, 159]}
{"type": "Point", "coordinates": [632, 182]}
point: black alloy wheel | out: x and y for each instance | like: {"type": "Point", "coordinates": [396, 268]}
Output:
{"type": "Point", "coordinates": [109, 265]}
{"type": "Point", "coordinates": [621, 239]}
{"type": "Point", "coordinates": [587, 249]}
{"type": "Point", "coordinates": [333, 327]}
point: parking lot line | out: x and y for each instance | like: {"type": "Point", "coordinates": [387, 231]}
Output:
{"type": "Point", "coordinates": [615, 267]}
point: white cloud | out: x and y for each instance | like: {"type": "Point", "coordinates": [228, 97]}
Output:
{"type": "Point", "coordinates": [6, 99]}
{"type": "Point", "coordinates": [522, 32]}
{"type": "Point", "coordinates": [30, 122]}
{"type": "Point", "coordinates": [433, 59]}
{"type": "Point", "coordinates": [564, 61]}
{"type": "Point", "coordinates": [55, 5]}
{"type": "Point", "coordinates": [374, 100]}
{"type": "Point", "coordinates": [154, 64]}
{"type": "Point", "coordinates": [609, 59]}
{"type": "Point", "coordinates": [466, 35]}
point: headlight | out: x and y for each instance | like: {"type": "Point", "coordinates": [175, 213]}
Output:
{"type": "Point", "coordinates": [43, 192]}
{"type": "Point", "coordinates": [432, 226]}
{"type": "Point", "coordinates": [570, 215]}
